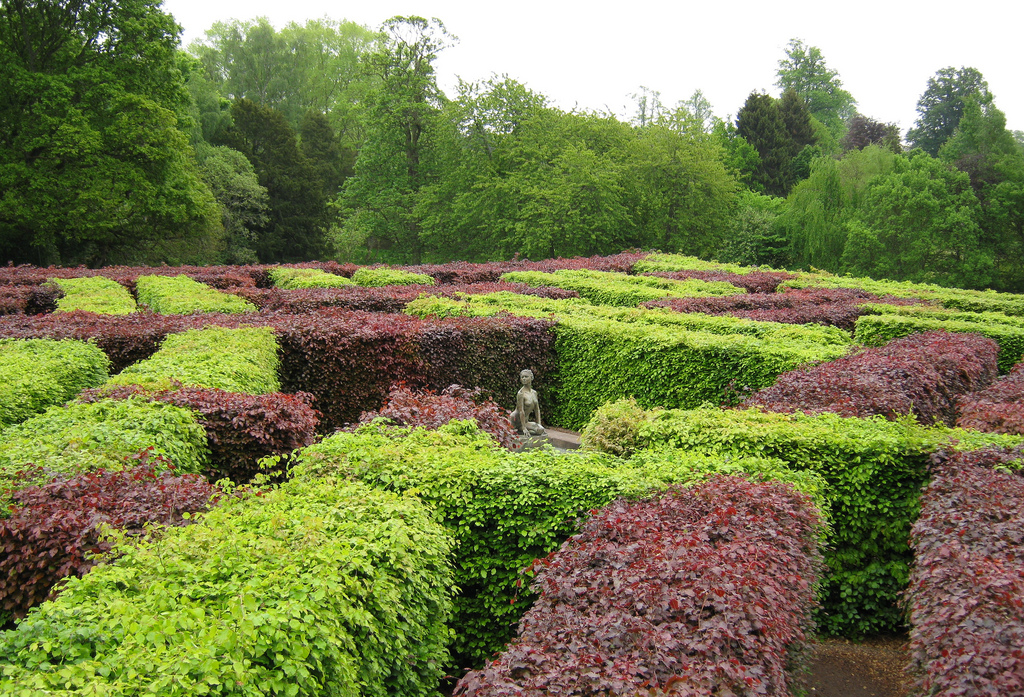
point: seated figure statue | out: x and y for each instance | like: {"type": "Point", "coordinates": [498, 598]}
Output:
{"type": "Point", "coordinates": [526, 418]}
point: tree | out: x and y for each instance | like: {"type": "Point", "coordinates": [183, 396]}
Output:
{"type": "Point", "coordinates": [862, 131]}
{"type": "Point", "coordinates": [760, 123]}
{"type": "Point", "coordinates": [803, 70]}
{"type": "Point", "coordinates": [94, 164]}
{"type": "Point", "coordinates": [243, 202]}
{"type": "Point", "coordinates": [941, 106]}
{"type": "Point", "coordinates": [396, 161]}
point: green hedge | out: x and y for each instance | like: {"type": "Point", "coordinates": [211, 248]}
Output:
{"type": "Point", "coordinates": [237, 360]}
{"type": "Point", "coordinates": [874, 469]}
{"type": "Point", "coordinates": [80, 438]}
{"type": "Point", "coordinates": [180, 295]}
{"type": "Point", "coordinates": [878, 330]}
{"type": "Point", "coordinates": [617, 289]}
{"type": "Point", "coordinates": [94, 294]}
{"type": "Point", "coordinates": [315, 588]}
{"type": "Point", "coordinates": [291, 279]}
{"type": "Point", "coordinates": [504, 509]}
{"type": "Point", "coordinates": [679, 262]}
{"type": "Point", "coordinates": [39, 373]}
{"type": "Point", "coordinates": [380, 276]}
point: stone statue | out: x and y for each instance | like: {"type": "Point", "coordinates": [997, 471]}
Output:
{"type": "Point", "coordinates": [526, 418]}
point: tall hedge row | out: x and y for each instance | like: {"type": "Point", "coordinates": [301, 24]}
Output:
{"type": "Point", "coordinates": [39, 373]}
{"type": "Point", "coordinates": [314, 588]}
{"type": "Point", "coordinates": [875, 470]}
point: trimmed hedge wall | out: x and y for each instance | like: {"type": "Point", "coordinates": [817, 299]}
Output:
{"type": "Point", "coordinates": [84, 437]}
{"type": "Point", "coordinates": [875, 470]}
{"type": "Point", "coordinates": [605, 288]}
{"type": "Point", "coordinates": [291, 278]}
{"type": "Point", "coordinates": [243, 359]}
{"type": "Point", "coordinates": [94, 294]}
{"type": "Point", "coordinates": [380, 276]}
{"type": "Point", "coordinates": [39, 373]}
{"type": "Point", "coordinates": [180, 295]}
{"type": "Point", "coordinates": [697, 592]}
{"type": "Point", "coordinates": [309, 589]}
{"type": "Point", "coordinates": [998, 409]}
{"type": "Point", "coordinates": [504, 509]}
{"type": "Point", "coordinates": [877, 330]}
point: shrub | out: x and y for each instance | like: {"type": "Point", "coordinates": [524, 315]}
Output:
{"type": "Point", "coordinates": [604, 288]}
{"type": "Point", "coordinates": [28, 299]}
{"type": "Point", "coordinates": [235, 360]}
{"type": "Point", "coordinates": [998, 409]}
{"type": "Point", "coordinates": [80, 438]}
{"type": "Point", "coordinates": [290, 278]}
{"type": "Point", "coordinates": [751, 281]}
{"type": "Point", "coordinates": [56, 530]}
{"type": "Point", "coordinates": [923, 374]}
{"type": "Point", "coordinates": [181, 295]}
{"type": "Point", "coordinates": [406, 407]}
{"type": "Point", "coordinates": [378, 276]}
{"type": "Point", "coordinates": [504, 509]}
{"type": "Point", "coordinates": [700, 591]}
{"type": "Point", "coordinates": [39, 373]}
{"type": "Point", "coordinates": [94, 294]}
{"type": "Point", "coordinates": [309, 589]}
{"type": "Point", "coordinates": [615, 428]}
{"type": "Point", "coordinates": [241, 429]}
{"type": "Point", "coordinates": [966, 593]}
{"type": "Point", "coordinates": [875, 470]}
{"type": "Point", "coordinates": [877, 330]}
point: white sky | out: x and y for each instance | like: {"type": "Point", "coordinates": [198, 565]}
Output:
{"type": "Point", "coordinates": [595, 55]}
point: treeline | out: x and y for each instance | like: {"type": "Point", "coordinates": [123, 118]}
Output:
{"type": "Point", "coordinates": [329, 140]}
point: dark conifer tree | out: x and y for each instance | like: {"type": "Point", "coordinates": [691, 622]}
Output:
{"type": "Point", "coordinates": [761, 124]}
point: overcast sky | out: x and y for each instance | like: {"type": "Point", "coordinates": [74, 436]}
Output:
{"type": "Point", "coordinates": [595, 55]}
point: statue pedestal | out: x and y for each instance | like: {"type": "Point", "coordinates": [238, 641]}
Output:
{"type": "Point", "coordinates": [556, 437]}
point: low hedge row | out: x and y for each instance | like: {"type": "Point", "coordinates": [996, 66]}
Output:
{"type": "Point", "coordinates": [752, 281]}
{"type": "Point", "coordinates": [373, 276]}
{"type": "Point", "coordinates": [39, 373]}
{"type": "Point", "coordinates": [15, 300]}
{"type": "Point", "coordinates": [658, 262]}
{"type": "Point", "coordinates": [94, 294]}
{"type": "Point", "coordinates": [877, 330]}
{"type": "Point", "coordinates": [503, 508]}
{"type": "Point", "coordinates": [875, 470]}
{"type": "Point", "coordinates": [242, 359]}
{"type": "Point", "coordinates": [466, 272]}
{"type": "Point", "coordinates": [180, 295]}
{"type": "Point", "coordinates": [700, 591]}
{"type": "Point", "coordinates": [998, 409]}
{"type": "Point", "coordinates": [79, 438]}
{"type": "Point", "coordinates": [56, 530]}
{"type": "Point", "coordinates": [292, 278]}
{"type": "Point", "coordinates": [241, 429]}
{"type": "Point", "coordinates": [620, 290]}
{"type": "Point", "coordinates": [966, 593]}
{"type": "Point", "coordinates": [312, 588]}
{"type": "Point", "coordinates": [922, 374]}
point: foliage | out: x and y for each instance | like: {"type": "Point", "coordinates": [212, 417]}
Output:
{"type": "Point", "coordinates": [804, 71]}
{"type": "Point", "coordinates": [874, 469]}
{"type": "Point", "coordinates": [308, 589]}
{"type": "Point", "coordinates": [695, 591]}
{"type": "Point", "coordinates": [425, 409]}
{"type": "Point", "coordinates": [243, 202]}
{"type": "Point", "coordinates": [964, 599]}
{"type": "Point", "coordinates": [94, 165]}
{"type": "Point", "coordinates": [753, 282]}
{"type": "Point", "coordinates": [56, 530]}
{"type": "Point", "coordinates": [39, 373]}
{"type": "Point", "coordinates": [181, 295]}
{"type": "Point", "coordinates": [998, 409]}
{"type": "Point", "coordinates": [877, 330]}
{"type": "Point", "coordinates": [605, 288]}
{"type": "Point", "coordinates": [923, 374]}
{"type": "Point", "coordinates": [504, 509]}
{"type": "Point", "coordinates": [306, 278]}
{"type": "Point", "coordinates": [760, 123]}
{"type": "Point", "coordinates": [614, 428]}
{"type": "Point", "coordinates": [862, 131]}
{"type": "Point", "coordinates": [235, 360]}
{"type": "Point", "coordinates": [375, 277]}
{"type": "Point", "coordinates": [80, 438]}
{"type": "Point", "coordinates": [241, 429]}
{"type": "Point", "coordinates": [941, 106]}
{"type": "Point", "coordinates": [754, 238]}
{"type": "Point", "coordinates": [94, 294]}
